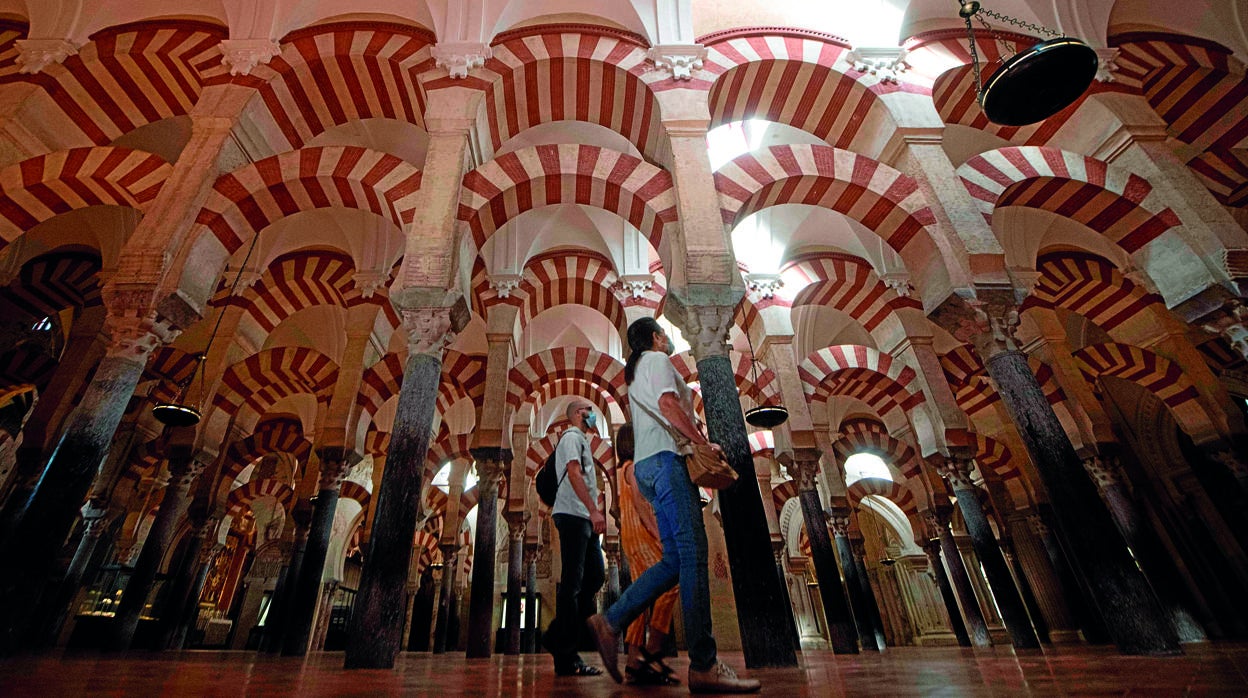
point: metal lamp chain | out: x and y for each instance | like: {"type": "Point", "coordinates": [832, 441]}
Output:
{"type": "Point", "coordinates": [1019, 23]}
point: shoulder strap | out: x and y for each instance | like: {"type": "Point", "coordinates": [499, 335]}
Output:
{"type": "Point", "coordinates": [681, 440]}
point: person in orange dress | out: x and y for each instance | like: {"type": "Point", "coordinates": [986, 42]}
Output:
{"type": "Point", "coordinates": [639, 537]}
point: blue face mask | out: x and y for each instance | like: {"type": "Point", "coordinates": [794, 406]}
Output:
{"type": "Point", "coordinates": [591, 420]}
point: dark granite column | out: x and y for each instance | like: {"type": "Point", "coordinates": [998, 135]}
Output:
{"type": "Point", "coordinates": [1024, 589]}
{"type": "Point", "coordinates": [188, 612]}
{"type": "Point", "coordinates": [932, 548]}
{"type": "Point", "coordinates": [1098, 553]}
{"type": "Point", "coordinates": [1076, 596]}
{"type": "Point", "coordinates": [94, 520]}
{"type": "Point", "coordinates": [777, 551]}
{"type": "Point", "coordinates": [873, 604]}
{"type": "Point", "coordinates": [184, 467]}
{"type": "Point", "coordinates": [374, 634]}
{"type": "Point", "coordinates": [280, 611]}
{"type": "Point", "coordinates": [516, 521]}
{"type": "Point", "coordinates": [491, 463]}
{"type": "Point", "coordinates": [336, 462]}
{"type": "Point", "coordinates": [838, 519]}
{"type": "Point", "coordinates": [423, 605]}
{"type": "Point", "coordinates": [446, 597]}
{"type": "Point", "coordinates": [184, 573]}
{"type": "Point", "coordinates": [705, 314]}
{"type": "Point", "coordinates": [43, 521]}
{"type": "Point", "coordinates": [957, 471]}
{"type": "Point", "coordinates": [976, 626]}
{"type": "Point", "coordinates": [530, 598]}
{"type": "Point", "coordinates": [841, 631]}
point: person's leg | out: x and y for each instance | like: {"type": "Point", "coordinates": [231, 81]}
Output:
{"type": "Point", "coordinates": [663, 575]}
{"type": "Point", "coordinates": [593, 576]}
{"type": "Point", "coordinates": [661, 620]}
{"type": "Point", "coordinates": [564, 629]}
{"type": "Point", "coordinates": [683, 509]}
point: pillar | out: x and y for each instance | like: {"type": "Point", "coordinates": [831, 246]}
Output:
{"type": "Point", "coordinates": [932, 548]}
{"type": "Point", "coordinates": [976, 626]}
{"type": "Point", "coordinates": [530, 598]}
{"type": "Point", "coordinates": [1087, 616]}
{"type": "Point", "coordinates": [957, 471]}
{"type": "Point", "coordinates": [1025, 591]}
{"type": "Point", "coordinates": [838, 519]}
{"type": "Point", "coordinates": [1132, 614]}
{"type": "Point", "coordinates": [94, 521]}
{"type": "Point", "coordinates": [516, 522]}
{"type": "Point", "coordinates": [375, 632]}
{"type": "Point", "coordinates": [873, 604]}
{"type": "Point", "coordinates": [777, 551]}
{"type": "Point", "coordinates": [491, 463]}
{"type": "Point", "coordinates": [45, 518]}
{"type": "Point", "coordinates": [184, 467]}
{"type": "Point", "coordinates": [281, 608]}
{"type": "Point", "coordinates": [446, 596]}
{"type": "Point", "coordinates": [336, 462]}
{"type": "Point", "coordinates": [182, 602]}
{"type": "Point", "coordinates": [705, 313]}
{"type": "Point", "coordinates": [841, 631]}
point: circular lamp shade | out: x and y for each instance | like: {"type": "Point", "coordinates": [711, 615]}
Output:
{"type": "Point", "coordinates": [176, 415]}
{"type": "Point", "coordinates": [1039, 82]}
{"type": "Point", "coordinates": [767, 416]}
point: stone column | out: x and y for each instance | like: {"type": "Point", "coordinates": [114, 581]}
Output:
{"type": "Point", "coordinates": [45, 518]}
{"type": "Point", "coordinates": [375, 632]}
{"type": "Point", "coordinates": [976, 626]}
{"type": "Point", "coordinates": [957, 471]}
{"type": "Point", "coordinates": [491, 464]}
{"type": "Point", "coordinates": [705, 313]}
{"type": "Point", "coordinates": [516, 521]}
{"type": "Point", "coordinates": [611, 591]}
{"type": "Point", "coordinates": [1131, 612]}
{"type": "Point", "coordinates": [281, 608]}
{"type": "Point", "coordinates": [94, 521]}
{"type": "Point", "coordinates": [932, 548]}
{"type": "Point", "coordinates": [841, 631]}
{"type": "Point", "coordinates": [446, 597]}
{"type": "Point", "coordinates": [188, 580]}
{"type": "Point", "coordinates": [1025, 591]}
{"type": "Point", "coordinates": [838, 520]}
{"type": "Point", "coordinates": [336, 462]}
{"type": "Point", "coordinates": [777, 551]}
{"type": "Point", "coordinates": [1088, 618]}
{"type": "Point", "coordinates": [873, 604]}
{"type": "Point", "coordinates": [530, 598]}
{"type": "Point", "coordinates": [184, 467]}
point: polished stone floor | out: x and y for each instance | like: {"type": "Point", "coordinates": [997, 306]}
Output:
{"type": "Point", "coordinates": [1217, 670]}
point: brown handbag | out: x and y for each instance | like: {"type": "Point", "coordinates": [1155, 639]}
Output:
{"type": "Point", "coordinates": [707, 467]}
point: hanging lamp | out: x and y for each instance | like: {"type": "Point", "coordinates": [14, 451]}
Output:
{"type": "Point", "coordinates": [763, 416]}
{"type": "Point", "coordinates": [1035, 83]}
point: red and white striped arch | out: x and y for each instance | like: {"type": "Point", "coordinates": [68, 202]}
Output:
{"type": "Point", "coordinates": [297, 281]}
{"type": "Point", "coordinates": [762, 443]}
{"type": "Point", "coordinates": [274, 435]}
{"type": "Point", "coordinates": [994, 457]}
{"type": "Point", "coordinates": [246, 201]}
{"type": "Point", "coordinates": [856, 371]}
{"type": "Point", "coordinates": [595, 77]}
{"type": "Point", "coordinates": [578, 363]}
{"type": "Point", "coordinates": [846, 283]}
{"type": "Point", "coordinates": [376, 443]}
{"type": "Point", "coordinates": [130, 76]}
{"type": "Point", "coordinates": [972, 390]}
{"type": "Point", "coordinates": [380, 382]}
{"type": "Point", "coordinates": [765, 390]}
{"type": "Point", "coordinates": [1119, 205]}
{"type": "Point", "coordinates": [1154, 373]}
{"type": "Point", "coordinates": [447, 448]}
{"type": "Point", "coordinates": [864, 435]}
{"type": "Point", "coordinates": [793, 78]}
{"type": "Point", "coordinates": [569, 387]}
{"type": "Point", "coordinates": [356, 491]}
{"type": "Point", "coordinates": [427, 552]}
{"type": "Point", "coordinates": [463, 376]}
{"type": "Point", "coordinates": [575, 277]}
{"type": "Point", "coordinates": [543, 175]}
{"type": "Point", "coordinates": [782, 493]}
{"type": "Point", "coordinates": [540, 450]}
{"type": "Point", "coordinates": [45, 186]}
{"type": "Point", "coordinates": [262, 379]}
{"type": "Point", "coordinates": [881, 198]}
{"type": "Point", "coordinates": [894, 492]}
{"type": "Point", "coordinates": [10, 33]}
{"type": "Point", "coordinates": [240, 498]}
{"type": "Point", "coordinates": [51, 283]}
{"type": "Point", "coordinates": [331, 74]}
{"type": "Point", "coordinates": [26, 365]}
{"type": "Point", "coordinates": [1092, 287]}
{"type": "Point", "coordinates": [170, 368]}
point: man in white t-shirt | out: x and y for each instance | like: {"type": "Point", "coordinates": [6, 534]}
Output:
{"type": "Point", "coordinates": [579, 518]}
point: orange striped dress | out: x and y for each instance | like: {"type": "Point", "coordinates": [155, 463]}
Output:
{"type": "Point", "coordinates": [643, 550]}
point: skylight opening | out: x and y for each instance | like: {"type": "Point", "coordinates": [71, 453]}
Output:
{"type": "Point", "coordinates": [862, 465]}
{"type": "Point", "coordinates": [442, 480]}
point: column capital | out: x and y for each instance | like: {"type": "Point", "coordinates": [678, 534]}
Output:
{"type": "Point", "coordinates": [1231, 322]}
{"type": "Point", "coordinates": [838, 520]}
{"type": "Point", "coordinates": [936, 521]}
{"type": "Point", "coordinates": [136, 334]}
{"type": "Point", "coordinates": [531, 553]}
{"type": "Point", "coordinates": [678, 59]}
{"type": "Point", "coordinates": [987, 321]}
{"type": "Point", "coordinates": [704, 314]}
{"type": "Point", "coordinates": [804, 468]}
{"type": "Point", "coordinates": [431, 317]}
{"type": "Point", "coordinates": [335, 463]}
{"type": "Point", "coordinates": [1104, 469]}
{"type": "Point", "coordinates": [956, 471]}
{"type": "Point", "coordinates": [859, 547]}
{"type": "Point", "coordinates": [1038, 526]}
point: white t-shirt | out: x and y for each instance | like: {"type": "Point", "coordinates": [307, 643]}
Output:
{"type": "Point", "coordinates": [574, 445]}
{"type": "Point", "coordinates": [654, 376]}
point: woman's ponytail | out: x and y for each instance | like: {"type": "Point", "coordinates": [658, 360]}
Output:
{"type": "Point", "coordinates": [640, 339]}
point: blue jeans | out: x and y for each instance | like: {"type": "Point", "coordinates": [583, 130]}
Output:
{"type": "Point", "coordinates": [664, 482]}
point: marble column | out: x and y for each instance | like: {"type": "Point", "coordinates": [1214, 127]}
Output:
{"type": "Point", "coordinates": [838, 520]}
{"type": "Point", "coordinates": [1088, 618]}
{"type": "Point", "coordinates": [976, 626]}
{"type": "Point", "coordinates": [516, 521]}
{"type": "Point", "coordinates": [446, 596]}
{"type": "Point", "coordinates": [281, 608]}
{"type": "Point", "coordinates": [183, 606]}
{"type": "Point", "coordinates": [94, 521]}
{"type": "Point", "coordinates": [957, 471]}
{"type": "Point", "coordinates": [183, 572]}
{"type": "Point", "coordinates": [336, 462]}
{"type": "Point", "coordinates": [45, 518]}
{"type": "Point", "coordinates": [611, 551]}
{"type": "Point", "coordinates": [375, 632]}
{"type": "Point", "coordinates": [1132, 614]}
{"type": "Point", "coordinates": [1106, 472]}
{"type": "Point", "coordinates": [777, 551]}
{"type": "Point", "coordinates": [492, 463]}
{"type": "Point", "coordinates": [705, 314]}
{"type": "Point", "coordinates": [530, 598]}
{"type": "Point", "coordinates": [873, 604]}
{"type": "Point", "coordinates": [932, 548]}
{"type": "Point", "coordinates": [1025, 591]}
{"type": "Point", "coordinates": [841, 631]}
{"type": "Point", "coordinates": [184, 467]}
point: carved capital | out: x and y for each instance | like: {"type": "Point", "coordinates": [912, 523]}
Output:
{"type": "Point", "coordinates": [678, 59]}
{"type": "Point", "coordinates": [242, 56]}
{"type": "Point", "coordinates": [431, 329]}
{"type": "Point", "coordinates": [369, 281]}
{"type": "Point", "coordinates": [1038, 526]}
{"type": "Point", "coordinates": [1107, 64]}
{"type": "Point", "coordinates": [706, 329]}
{"type": "Point", "coordinates": [492, 463]}
{"type": "Point", "coordinates": [957, 472]}
{"type": "Point", "coordinates": [136, 335]}
{"type": "Point", "coordinates": [885, 62]}
{"type": "Point", "coordinates": [94, 517]}
{"type": "Point", "coordinates": [634, 286]}
{"type": "Point", "coordinates": [461, 57]}
{"type": "Point", "coordinates": [764, 285]}
{"type": "Point", "coordinates": [1231, 322]}
{"type": "Point", "coordinates": [936, 521]}
{"type": "Point", "coordinates": [899, 282]}
{"type": "Point", "coordinates": [804, 468]}
{"type": "Point", "coordinates": [989, 321]}
{"type": "Point", "coordinates": [246, 278]}
{"type": "Point", "coordinates": [531, 553]}
{"type": "Point", "coordinates": [504, 284]}
{"type": "Point", "coordinates": [1105, 470]}
{"type": "Point", "coordinates": [838, 520]}
{"type": "Point", "coordinates": [33, 55]}
{"type": "Point", "coordinates": [336, 463]}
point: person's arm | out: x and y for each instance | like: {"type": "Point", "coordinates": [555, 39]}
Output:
{"type": "Point", "coordinates": [576, 478]}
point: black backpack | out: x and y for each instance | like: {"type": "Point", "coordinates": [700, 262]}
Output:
{"type": "Point", "coordinates": [545, 483]}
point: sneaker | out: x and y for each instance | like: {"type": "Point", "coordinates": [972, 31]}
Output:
{"type": "Point", "coordinates": [721, 679]}
{"type": "Point", "coordinates": [608, 642]}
